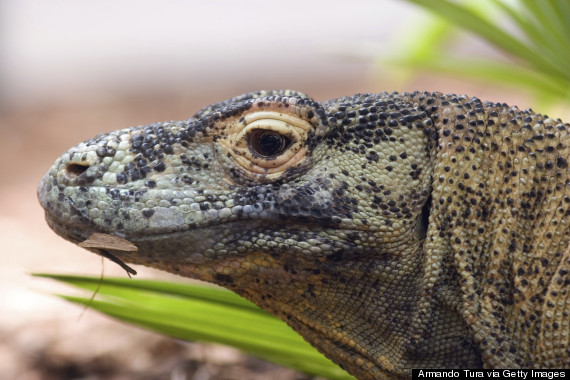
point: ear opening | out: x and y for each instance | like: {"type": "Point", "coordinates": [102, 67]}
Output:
{"type": "Point", "coordinates": [423, 220]}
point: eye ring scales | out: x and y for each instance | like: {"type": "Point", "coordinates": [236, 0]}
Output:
{"type": "Point", "coordinates": [267, 142]}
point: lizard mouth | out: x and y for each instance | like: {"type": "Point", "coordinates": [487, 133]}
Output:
{"type": "Point", "coordinates": [74, 212]}
{"type": "Point", "coordinates": [73, 223]}
{"type": "Point", "coordinates": [76, 226]}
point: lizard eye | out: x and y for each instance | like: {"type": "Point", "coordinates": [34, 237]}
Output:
{"type": "Point", "coordinates": [268, 143]}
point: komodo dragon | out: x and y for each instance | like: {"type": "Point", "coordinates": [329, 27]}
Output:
{"type": "Point", "coordinates": [392, 231]}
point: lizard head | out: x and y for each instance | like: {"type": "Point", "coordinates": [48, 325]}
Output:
{"type": "Point", "coordinates": [312, 210]}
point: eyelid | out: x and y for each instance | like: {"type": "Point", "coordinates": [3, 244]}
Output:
{"type": "Point", "coordinates": [262, 165]}
{"type": "Point", "coordinates": [236, 144]}
{"type": "Point", "coordinates": [264, 124]}
{"type": "Point", "coordinates": [272, 116]}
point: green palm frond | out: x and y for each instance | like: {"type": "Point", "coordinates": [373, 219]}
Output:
{"type": "Point", "coordinates": [202, 313]}
{"type": "Point", "coordinates": [538, 47]}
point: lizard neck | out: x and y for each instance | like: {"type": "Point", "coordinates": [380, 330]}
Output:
{"type": "Point", "coordinates": [499, 229]}
{"type": "Point", "coordinates": [371, 305]}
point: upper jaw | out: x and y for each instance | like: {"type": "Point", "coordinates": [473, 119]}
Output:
{"type": "Point", "coordinates": [74, 227]}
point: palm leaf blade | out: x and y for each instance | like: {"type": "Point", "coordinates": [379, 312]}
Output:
{"type": "Point", "coordinates": [202, 313]}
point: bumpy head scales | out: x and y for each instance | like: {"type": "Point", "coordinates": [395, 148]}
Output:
{"type": "Point", "coordinates": [360, 221]}
{"type": "Point", "coordinates": [315, 211]}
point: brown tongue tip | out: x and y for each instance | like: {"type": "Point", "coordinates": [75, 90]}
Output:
{"type": "Point", "coordinates": [103, 242]}
{"type": "Point", "coordinates": [106, 241]}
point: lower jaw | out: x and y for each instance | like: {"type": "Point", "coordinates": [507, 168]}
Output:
{"type": "Point", "coordinates": [74, 233]}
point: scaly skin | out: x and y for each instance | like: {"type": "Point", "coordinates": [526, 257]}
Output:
{"type": "Point", "coordinates": [392, 231]}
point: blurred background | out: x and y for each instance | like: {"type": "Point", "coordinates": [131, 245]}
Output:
{"type": "Point", "coordinates": [72, 69]}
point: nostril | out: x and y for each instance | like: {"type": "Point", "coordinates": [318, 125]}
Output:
{"type": "Point", "coordinates": [75, 170]}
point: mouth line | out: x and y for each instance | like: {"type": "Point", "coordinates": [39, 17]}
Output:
{"type": "Point", "coordinates": [80, 227]}
{"type": "Point", "coordinates": [78, 232]}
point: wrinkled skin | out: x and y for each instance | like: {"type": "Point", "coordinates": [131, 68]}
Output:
{"type": "Point", "coordinates": [343, 218]}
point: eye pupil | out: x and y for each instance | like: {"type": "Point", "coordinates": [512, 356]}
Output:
{"type": "Point", "coordinates": [270, 143]}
